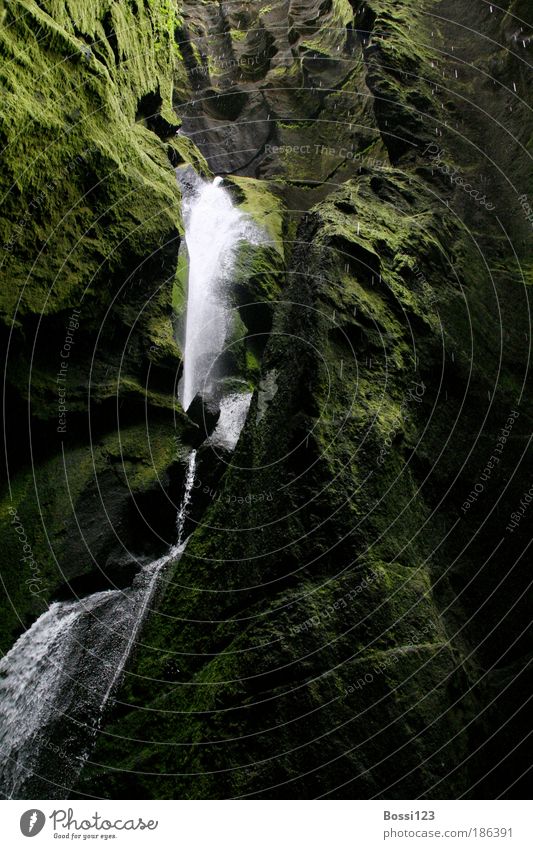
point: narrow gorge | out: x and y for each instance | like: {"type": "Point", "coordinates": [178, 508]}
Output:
{"type": "Point", "coordinates": [267, 403]}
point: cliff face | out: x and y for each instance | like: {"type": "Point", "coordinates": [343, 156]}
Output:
{"type": "Point", "coordinates": [349, 617]}
{"type": "Point", "coordinates": [90, 230]}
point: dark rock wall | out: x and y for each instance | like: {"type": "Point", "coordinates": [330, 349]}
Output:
{"type": "Point", "coordinates": [89, 236]}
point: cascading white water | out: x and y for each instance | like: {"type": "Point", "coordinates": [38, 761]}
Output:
{"type": "Point", "coordinates": [182, 512]}
{"type": "Point", "coordinates": [57, 679]}
{"type": "Point", "coordinates": [213, 227]}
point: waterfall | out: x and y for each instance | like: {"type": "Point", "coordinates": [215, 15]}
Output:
{"type": "Point", "coordinates": [213, 227]}
{"type": "Point", "coordinates": [57, 679]}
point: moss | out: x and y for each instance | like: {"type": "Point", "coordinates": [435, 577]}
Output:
{"type": "Point", "coordinates": [90, 222]}
{"type": "Point", "coordinates": [253, 366]}
{"type": "Point", "coordinates": [97, 195]}
{"type": "Point", "coordinates": [189, 154]}
{"type": "Point", "coordinates": [257, 275]}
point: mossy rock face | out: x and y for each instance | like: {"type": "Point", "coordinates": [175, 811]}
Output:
{"type": "Point", "coordinates": [183, 152]}
{"type": "Point", "coordinates": [276, 77]}
{"type": "Point", "coordinates": [90, 230]}
{"type": "Point", "coordinates": [328, 629]}
{"type": "Point", "coordinates": [322, 606]}
{"type": "Point", "coordinates": [257, 273]}
{"type": "Point", "coordinates": [314, 603]}
{"type": "Point", "coordinates": [90, 218]}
